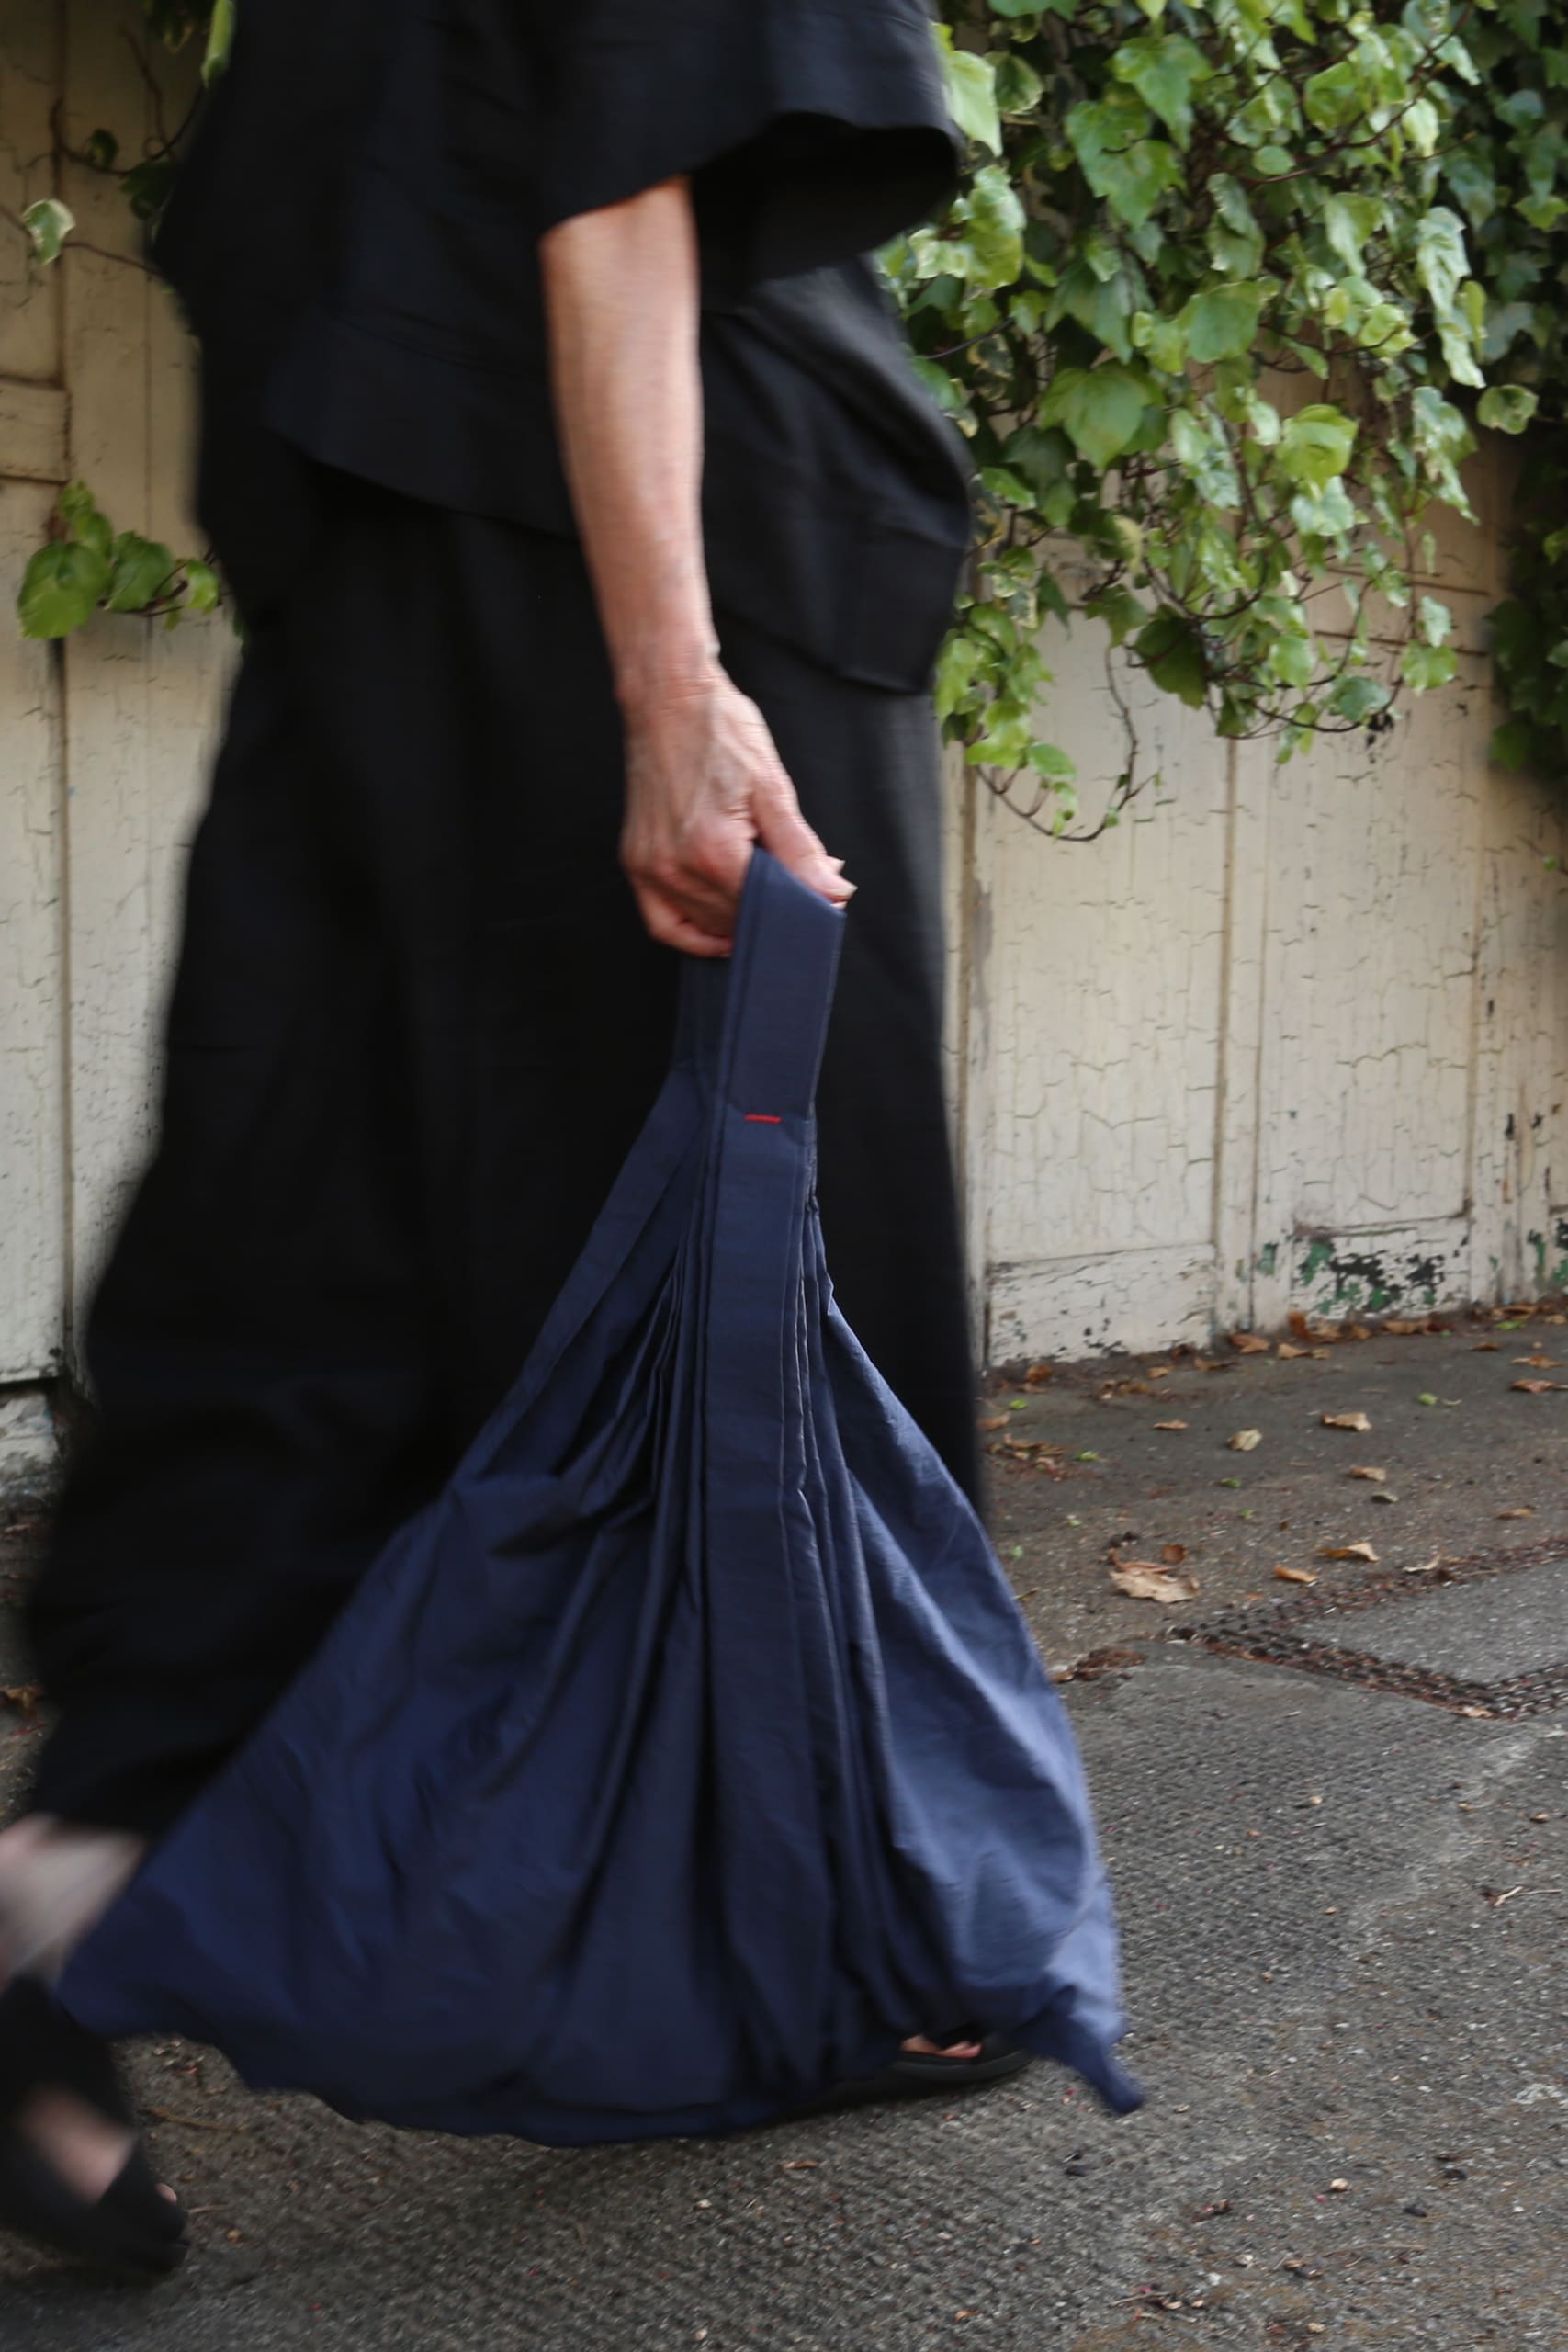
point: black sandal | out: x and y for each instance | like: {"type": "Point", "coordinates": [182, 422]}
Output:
{"type": "Point", "coordinates": [926, 2074]}
{"type": "Point", "coordinates": [133, 2227]}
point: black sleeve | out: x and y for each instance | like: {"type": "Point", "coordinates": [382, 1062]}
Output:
{"type": "Point", "coordinates": [811, 130]}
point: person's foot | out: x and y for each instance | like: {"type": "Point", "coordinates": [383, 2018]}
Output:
{"type": "Point", "coordinates": [72, 2171]}
{"type": "Point", "coordinates": [925, 2069]}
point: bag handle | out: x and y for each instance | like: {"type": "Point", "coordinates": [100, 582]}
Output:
{"type": "Point", "coordinates": [779, 995]}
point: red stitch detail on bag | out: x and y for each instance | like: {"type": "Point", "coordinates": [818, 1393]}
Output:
{"type": "Point", "coordinates": [765, 1119]}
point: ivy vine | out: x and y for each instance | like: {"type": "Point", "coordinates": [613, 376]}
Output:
{"type": "Point", "coordinates": [1229, 292]}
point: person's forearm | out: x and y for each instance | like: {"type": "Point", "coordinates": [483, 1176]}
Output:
{"type": "Point", "coordinates": [621, 293]}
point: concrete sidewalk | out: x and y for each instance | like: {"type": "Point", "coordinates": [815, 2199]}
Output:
{"type": "Point", "coordinates": [1344, 1885]}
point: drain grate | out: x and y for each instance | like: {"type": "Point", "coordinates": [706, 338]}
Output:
{"type": "Point", "coordinates": [1304, 1632]}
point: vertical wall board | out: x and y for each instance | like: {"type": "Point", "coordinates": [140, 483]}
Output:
{"type": "Point", "coordinates": [32, 1046]}
{"type": "Point", "coordinates": [29, 84]}
{"type": "Point", "coordinates": [1366, 1080]}
{"type": "Point", "coordinates": [134, 707]}
{"type": "Point", "coordinates": [32, 1195]}
{"type": "Point", "coordinates": [1521, 1152]}
{"type": "Point", "coordinates": [1102, 985]}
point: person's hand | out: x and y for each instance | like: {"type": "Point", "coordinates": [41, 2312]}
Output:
{"type": "Point", "coordinates": [703, 785]}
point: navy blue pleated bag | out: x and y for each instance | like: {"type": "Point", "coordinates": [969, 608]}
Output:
{"type": "Point", "coordinates": [689, 1750]}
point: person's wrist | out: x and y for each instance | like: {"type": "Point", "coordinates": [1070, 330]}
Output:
{"type": "Point", "coordinates": [656, 681]}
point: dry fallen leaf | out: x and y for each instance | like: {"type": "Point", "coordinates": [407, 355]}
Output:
{"type": "Point", "coordinates": [992, 1421]}
{"type": "Point", "coordinates": [25, 1695]}
{"type": "Point", "coordinates": [1485, 1348]}
{"type": "Point", "coordinates": [1172, 1555]}
{"type": "Point", "coordinates": [1519, 1510]}
{"type": "Point", "coordinates": [1401, 1331]}
{"type": "Point", "coordinates": [1357, 1421]}
{"type": "Point", "coordinates": [1538, 1387]}
{"type": "Point", "coordinates": [1250, 1343]}
{"type": "Point", "coordinates": [1038, 1374]}
{"type": "Point", "coordinates": [1244, 1441]}
{"type": "Point", "coordinates": [1146, 1580]}
{"type": "Point", "coordinates": [1347, 1552]}
{"type": "Point", "coordinates": [1356, 1331]}
{"type": "Point", "coordinates": [1299, 1323]}
{"type": "Point", "coordinates": [1423, 1567]}
{"type": "Point", "coordinates": [1336, 2187]}
{"type": "Point", "coordinates": [1159, 1371]}
{"type": "Point", "coordinates": [1170, 1425]}
{"type": "Point", "coordinates": [1287, 1350]}
{"type": "Point", "coordinates": [1540, 1362]}
{"type": "Point", "coordinates": [1366, 1470]}
{"type": "Point", "coordinates": [1295, 1576]}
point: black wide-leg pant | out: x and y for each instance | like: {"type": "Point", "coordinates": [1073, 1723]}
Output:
{"type": "Point", "coordinates": [415, 1029]}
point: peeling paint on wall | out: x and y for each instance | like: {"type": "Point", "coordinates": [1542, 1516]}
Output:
{"type": "Point", "coordinates": [1335, 1279]}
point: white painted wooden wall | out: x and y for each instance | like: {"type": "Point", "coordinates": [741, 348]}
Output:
{"type": "Point", "coordinates": [1289, 1038]}
{"type": "Point", "coordinates": [1286, 1038]}
{"type": "Point", "coordinates": [102, 741]}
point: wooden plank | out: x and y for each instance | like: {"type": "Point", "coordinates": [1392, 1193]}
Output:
{"type": "Point", "coordinates": [1111, 1301]}
{"type": "Point", "coordinates": [1366, 1094]}
{"type": "Point", "coordinates": [29, 84]}
{"type": "Point", "coordinates": [32, 431]}
{"type": "Point", "coordinates": [1521, 1129]}
{"type": "Point", "coordinates": [1371, 1270]}
{"type": "Point", "coordinates": [1249, 1285]}
{"type": "Point", "coordinates": [137, 700]}
{"type": "Point", "coordinates": [1104, 988]}
{"type": "Point", "coordinates": [32, 1195]}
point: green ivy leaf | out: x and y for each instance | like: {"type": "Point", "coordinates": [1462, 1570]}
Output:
{"type": "Point", "coordinates": [1507, 408]}
{"type": "Point", "coordinates": [1170, 648]}
{"type": "Point", "coordinates": [143, 571]}
{"type": "Point", "coordinates": [60, 588]}
{"type": "Point", "coordinates": [1359, 699]}
{"type": "Point", "coordinates": [204, 590]}
{"type": "Point", "coordinates": [80, 512]}
{"type": "Point", "coordinates": [1315, 445]}
{"type": "Point", "coordinates": [1221, 322]}
{"type": "Point", "coordinates": [1042, 457]}
{"type": "Point", "coordinates": [1119, 610]}
{"type": "Point", "coordinates": [220, 40]}
{"type": "Point", "coordinates": [1003, 483]}
{"type": "Point", "coordinates": [1103, 409]}
{"type": "Point", "coordinates": [1441, 262]}
{"type": "Point", "coordinates": [1422, 667]}
{"type": "Point", "coordinates": [1118, 158]}
{"type": "Point", "coordinates": [1513, 743]}
{"type": "Point", "coordinates": [49, 223]}
{"type": "Point", "coordinates": [1017, 87]}
{"type": "Point", "coordinates": [1101, 306]}
{"type": "Point", "coordinates": [1161, 340]}
{"type": "Point", "coordinates": [949, 396]}
{"type": "Point", "coordinates": [148, 187]}
{"type": "Point", "coordinates": [1333, 99]}
{"type": "Point", "coordinates": [1165, 69]}
{"type": "Point", "coordinates": [971, 85]}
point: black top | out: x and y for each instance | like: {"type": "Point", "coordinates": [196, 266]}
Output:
{"type": "Point", "coordinates": [355, 235]}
